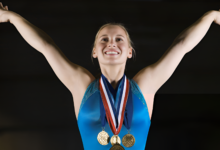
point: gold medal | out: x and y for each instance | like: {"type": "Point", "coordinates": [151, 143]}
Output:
{"type": "Point", "coordinates": [117, 147]}
{"type": "Point", "coordinates": [103, 138]}
{"type": "Point", "coordinates": [115, 139]}
{"type": "Point", "coordinates": [128, 140]}
{"type": "Point", "coordinates": [115, 122]}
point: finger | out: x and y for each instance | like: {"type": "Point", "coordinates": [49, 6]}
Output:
{"type": "Point", "coordinates": [1, 4]}
{"type": "Point", "coordinates": [6, 7]}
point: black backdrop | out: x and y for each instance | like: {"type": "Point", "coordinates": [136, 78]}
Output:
{"type": "Point", "coordinates": [36, 109]}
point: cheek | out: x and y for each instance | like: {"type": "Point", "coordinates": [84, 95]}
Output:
{"type": "Point", "coordinates": [123, 45]}
{"type": "Point", "coordinates": [100, 47]}
{"type": "Point", "coordinates": [124, 48]}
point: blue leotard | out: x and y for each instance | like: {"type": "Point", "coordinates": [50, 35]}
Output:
{"type": "Point", "coordinates": [89, 121]}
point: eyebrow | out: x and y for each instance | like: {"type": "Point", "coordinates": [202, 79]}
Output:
{"type": "Point", "coordinates": [107, 35]}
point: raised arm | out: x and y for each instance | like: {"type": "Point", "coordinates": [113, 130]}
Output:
{"type": "Point", "coordinates": [71, 75]}
{"type": "Point", "coordinates": [152, 77]}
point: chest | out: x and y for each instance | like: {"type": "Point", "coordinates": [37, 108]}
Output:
{"type": "Point", "coordinates": [89, 123]}
{"type": "Point", "coordinates": [148, 98]}
{"type": "Point", "coordinates": [90, 109]}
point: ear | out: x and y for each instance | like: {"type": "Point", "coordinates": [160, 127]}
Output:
{"type": "Point", "coordinates": [94, 53]}
{"type": "Point", "coordinates": [130, 52]}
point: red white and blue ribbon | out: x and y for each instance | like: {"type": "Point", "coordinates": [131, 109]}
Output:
{"type": "Point", "coordinates": [124, 111]}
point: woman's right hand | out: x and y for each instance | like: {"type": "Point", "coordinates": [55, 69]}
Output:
{"type": "Point", "coordinates": [3, 10]}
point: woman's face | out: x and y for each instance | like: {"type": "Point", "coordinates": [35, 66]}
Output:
{"type": "Point", "coordinates": [110, 38]}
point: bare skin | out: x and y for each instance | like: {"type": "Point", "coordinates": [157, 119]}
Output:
{"type": "Point", "coordinates": [77, 79]}
{"type": "Point", "coordinates": [112, 66]}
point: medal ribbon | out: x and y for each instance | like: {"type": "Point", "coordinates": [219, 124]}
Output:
{"type": "Point", "coordinates": [124, 111]}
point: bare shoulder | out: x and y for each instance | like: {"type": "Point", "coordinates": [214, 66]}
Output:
{"type": "Point", "coordinates": [81, 83]}
{"type": "Point", "coordinates": [144, 80]}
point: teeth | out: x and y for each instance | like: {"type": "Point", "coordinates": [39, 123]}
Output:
{"type": "Point", "coordinates": [111, 53]}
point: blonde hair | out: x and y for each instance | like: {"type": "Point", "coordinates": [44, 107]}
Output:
{"type": "Point", "coordinates": [120, 25]}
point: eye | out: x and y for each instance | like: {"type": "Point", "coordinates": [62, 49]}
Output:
{"type": "Point", "coordinates": [104, 39]}
{"type": "Point", "coordinates": [119, 38]}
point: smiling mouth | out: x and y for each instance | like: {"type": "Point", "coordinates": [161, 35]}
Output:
{"type": "Point", "coordinates": [111, 53]}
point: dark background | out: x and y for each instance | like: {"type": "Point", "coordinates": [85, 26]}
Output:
{"type": "Point", "coordinates": [36, 109]}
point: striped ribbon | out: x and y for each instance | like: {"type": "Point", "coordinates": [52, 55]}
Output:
{"type": "Point", "coordinates": [115, 117]}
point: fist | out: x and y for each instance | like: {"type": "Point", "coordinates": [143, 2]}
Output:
{"type": "Point", "coordinates": [217, 17]}
{"type": "Point", "coordinates": [3, 10]}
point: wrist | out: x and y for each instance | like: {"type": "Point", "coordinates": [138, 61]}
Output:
{"type": "Point", "coordinates": [212, 14]}
{"type": "Point", "coordinates": [9, 15]}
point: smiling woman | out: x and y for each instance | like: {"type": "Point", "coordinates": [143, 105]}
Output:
{"type": "Point", "coordinates": [126, 32]}
{"type": "Point", "coordinates": [112, 111]}
{"type": "Point", "coordinates": [104, 38]}
{"type": "Point", "coordinates": [113, 104]}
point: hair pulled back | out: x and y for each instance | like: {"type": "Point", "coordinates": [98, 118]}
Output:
{"type": "Point", "coordinates": [131, 44]}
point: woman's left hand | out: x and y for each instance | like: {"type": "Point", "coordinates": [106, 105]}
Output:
{"type": "Point", "coordinates": [2, 11]}
{"type": "Point", "coordinates": [217, 17]}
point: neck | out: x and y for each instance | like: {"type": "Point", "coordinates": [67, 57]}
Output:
{"type": "Point", "coordinates": [113, 73]}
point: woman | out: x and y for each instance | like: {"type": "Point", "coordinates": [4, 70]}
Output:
{"type": "Point", "coordinates": [112, 111]}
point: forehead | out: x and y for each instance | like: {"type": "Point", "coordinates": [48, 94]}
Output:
{"type": "Point", "coordinates": [112, 30]}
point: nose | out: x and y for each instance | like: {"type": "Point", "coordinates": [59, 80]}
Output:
{"type": "Point", "coordinates": [111, 43]}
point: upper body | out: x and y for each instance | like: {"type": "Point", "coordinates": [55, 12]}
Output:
{"type": "Point", "coordinates": [77, 78]}
{"type": "Point", "coordinates": [89, 117]}
{"type": "Point", "coordinates": [111, 37]}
